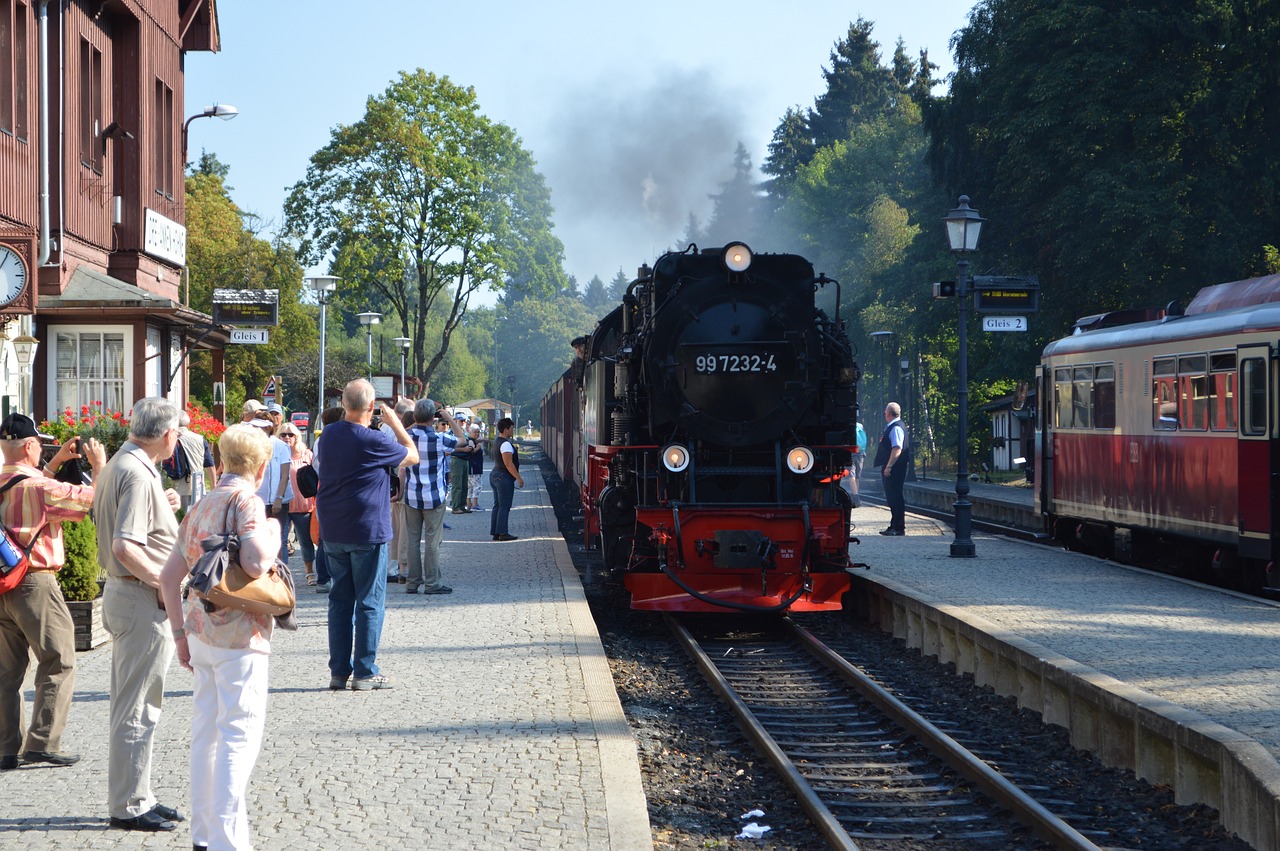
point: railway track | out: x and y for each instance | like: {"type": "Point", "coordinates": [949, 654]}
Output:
{"type": "Point", "coordinates": [865, 767]}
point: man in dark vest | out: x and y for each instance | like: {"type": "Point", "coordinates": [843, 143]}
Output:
{"type": "Point", "coordinates": [894, 455]}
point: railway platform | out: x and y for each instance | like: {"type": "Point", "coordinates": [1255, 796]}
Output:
{"type": "Point", "coordinates": [503, 731]}
{"type": "Point", "coordinates": [1173, 679]}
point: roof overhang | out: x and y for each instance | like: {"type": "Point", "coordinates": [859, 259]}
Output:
{"type": "Point", "coordinates": [198, 26]}
{"type": "Point", "coordinates": [89, 290]}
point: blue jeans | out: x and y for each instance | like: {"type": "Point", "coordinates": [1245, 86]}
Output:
{"type": "Point", "coordinates": [302, 528]}
{"type": "Point", "coordinates": [322, 565]}
{"type": "Point", "coordinates": [357, 601]}
{"type": "Point", "coordinates": [504, 492]}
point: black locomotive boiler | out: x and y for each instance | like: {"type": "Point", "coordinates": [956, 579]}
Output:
{"type": "Point", "coordinates": [718, 408]}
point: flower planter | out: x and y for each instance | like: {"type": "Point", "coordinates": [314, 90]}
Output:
{"type": "Point", "coordinates": [87, 616]}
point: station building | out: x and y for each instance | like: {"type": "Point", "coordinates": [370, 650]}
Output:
{"type": "Point", "coordinates": [92, 177]}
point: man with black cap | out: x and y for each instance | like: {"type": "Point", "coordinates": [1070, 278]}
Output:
{"type": "Point", "coordinates": [34, 616]}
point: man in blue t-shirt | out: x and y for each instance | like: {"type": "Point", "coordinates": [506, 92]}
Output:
{"type": "Point", "coordinates": [354, 508]}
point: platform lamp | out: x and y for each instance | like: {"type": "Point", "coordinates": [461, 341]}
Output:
{"type": "Point", "coordinates": [963, 228]}
{"type": "Point", "coordinates": [404, 343]}
{"type": "Point", "coordinates": [882, 339]}
{"type": "Point", "coordinates": [225, 111]}
{"type": "Point", "coordinates": [324, 285]}
{"type": "Point", "coordinates": [368, 320]}
{"type": "Point", "coordinates": [24, 350]}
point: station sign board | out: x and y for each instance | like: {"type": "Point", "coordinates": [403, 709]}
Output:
{"type": "Point", "coordinates": [246, 307]}
{"type": "Point", "coordinates": [1006, 293]}
{"type": "Point", "coordinates": [164, 238]}
{"type": "Point", "coordinates": [1004, 323]}
{"type": "Point", "coordinates": [253, 338]}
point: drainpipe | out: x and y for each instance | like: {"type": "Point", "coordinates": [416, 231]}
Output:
{"type": "Point", "coordinates": [45, 235]}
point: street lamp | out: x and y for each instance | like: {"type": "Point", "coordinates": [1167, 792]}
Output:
{"type": "Point", "coordinates": [225, 111]}
{"type": "Point", "coordinates": [24, 349]}
{"type": "Point", "coordinates": [963, 227]}
{"type": "Point", "coordinates": [368, 320]}
{"type": "Point", "coordinates": [323, 285]}
{"type": "Point", "coordinates": [404, 343]}
{"type": "Point", "coordinates": [882, 339]}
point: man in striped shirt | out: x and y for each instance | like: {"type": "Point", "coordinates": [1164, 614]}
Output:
{"type": "Point", "coordinates": [34, 614]}
{"type": "Point", "coordinates": [423, 496]}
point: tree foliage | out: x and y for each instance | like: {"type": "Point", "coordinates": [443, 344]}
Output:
{"type": "Point", "coordinates": [424, 202]}
{"type": "Point", "coordinates": [225, 251]}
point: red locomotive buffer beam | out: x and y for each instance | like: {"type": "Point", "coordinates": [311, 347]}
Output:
{"type": "Point", "coordinates": [742, 557]}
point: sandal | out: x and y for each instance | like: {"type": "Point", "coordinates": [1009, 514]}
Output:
{"type": "Point", "coordinates": [311, 579]}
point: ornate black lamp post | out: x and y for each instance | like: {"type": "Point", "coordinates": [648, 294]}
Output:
{"type": "Point", "coordinates": [963, 226]}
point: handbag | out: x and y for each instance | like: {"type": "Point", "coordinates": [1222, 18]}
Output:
{"type": "Point", "coordinates": [218, 578]}
{"type": "Point", "coordinates": [308, 481]}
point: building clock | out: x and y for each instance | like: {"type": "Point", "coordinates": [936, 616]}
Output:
{"type": "Point", "coordinates": [13, 275]}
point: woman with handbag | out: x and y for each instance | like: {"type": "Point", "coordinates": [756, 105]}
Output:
{"type": "Point", "coordinates": [226, 649]}
{"type": "Point", "coordinates": [300, 507]}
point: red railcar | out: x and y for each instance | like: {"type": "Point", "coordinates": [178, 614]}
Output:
{"type": "Point", "coordinates": [1162, 437]}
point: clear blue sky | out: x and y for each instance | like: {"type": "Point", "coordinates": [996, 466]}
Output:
{"type": "Point", "coordinates": [632, 113]}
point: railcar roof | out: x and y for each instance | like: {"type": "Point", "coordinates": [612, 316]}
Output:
{"type": "Point", "coordinates": [1241, 320]}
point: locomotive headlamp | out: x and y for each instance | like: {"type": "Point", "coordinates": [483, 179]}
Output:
{"type": "Point", "coordinates": [737, 257]}
{"type": "Point", "coordinates": [800, 460]}
{"type": "Point", "coordinates": [675, 458]}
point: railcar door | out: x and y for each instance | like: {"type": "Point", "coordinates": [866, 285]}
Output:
{"type": "Point", "coordinates": [1257, 427]}
{"type": "Point", "coordinates": [1044, 441]}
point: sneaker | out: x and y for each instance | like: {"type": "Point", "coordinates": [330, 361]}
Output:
{"type": "Point", "coordinates": [893, 533]}
{"type": "Point", "coordinates": [337, 683]}
{"type": "Point", "coordinates": [447, 526]}
{"type": "Point", "coordinates": [322, 588]}
{"type": "Point", "coordinates": [506, 537]}
{"type": "Point", "coordinates": [380, 681]}
{"type": "Point", "coordinates": [443, 589]}
{"type": "Point", "coordinates": [51, 757]}
{"type": "Point", "coordinates": [476, 508]}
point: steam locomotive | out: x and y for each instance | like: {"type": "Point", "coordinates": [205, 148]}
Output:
{"type": "Point", "coordinates": [708, 421]}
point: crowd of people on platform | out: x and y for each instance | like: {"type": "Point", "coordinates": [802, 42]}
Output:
{"type": "Point", "coordinates": [387, 476]}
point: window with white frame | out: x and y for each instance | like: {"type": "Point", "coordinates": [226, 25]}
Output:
{"type": "Point", "coordinates": [90, 367]}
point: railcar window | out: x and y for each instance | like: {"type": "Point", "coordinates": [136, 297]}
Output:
{"type": "Point", "coordinates": [1062, 398]}
{"type": "Point", "coordinates": [1193, 393]}
{"type": "Point", "coordinates": [1164, 394]}
{"type": "Point", "coordinates": [1082, 397]}
{"type": "Point", "coordinates": [1104, 397]}
{"type": "Point", "coordinates": [1253, 397]}
{"type": "Point", "coordinates": [1222, 391]}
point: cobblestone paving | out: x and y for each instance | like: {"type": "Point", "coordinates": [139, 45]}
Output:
{"type": "Point", "coordinates": [1203, 648]}
{"type": "Point", "coordinates": [487, 741]}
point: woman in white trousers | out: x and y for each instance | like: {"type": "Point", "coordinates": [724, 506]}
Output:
{"type": "Point", "coordinates": [226, 650]}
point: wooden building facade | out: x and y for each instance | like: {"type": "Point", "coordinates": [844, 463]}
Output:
{"type": "Point", "coordinates": [92, 198]}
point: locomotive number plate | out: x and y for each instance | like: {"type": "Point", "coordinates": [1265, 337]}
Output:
{"type": "Point", "coordinates": [708, 363]}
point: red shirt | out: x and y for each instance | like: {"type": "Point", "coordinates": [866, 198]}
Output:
{"type": "Point", "coordinates": [38, 501]}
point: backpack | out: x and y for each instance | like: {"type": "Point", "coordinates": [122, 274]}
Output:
{"type": "Point", "coordinates": [177, 467]}
{"type": "Point", "coordinates": [14, 560]}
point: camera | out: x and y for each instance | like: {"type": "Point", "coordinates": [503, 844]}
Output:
{"type": "Point", "coordinates": [376, 422]}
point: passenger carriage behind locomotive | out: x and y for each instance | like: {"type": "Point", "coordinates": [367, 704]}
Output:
{"type": "Point", "coordinates": [1158, 438]}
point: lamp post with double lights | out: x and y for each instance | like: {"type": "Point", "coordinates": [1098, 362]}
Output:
{"type": "Point", "coordinates": [323, 285]}
{"type": "Point", "coordinates": [225, 111]}
{"type": "Point", "coordinates": [368, 320]}
{"type": "Point", "coordinates": [963, 227]}
{"type": "Point", "coordinates": [404, 343]}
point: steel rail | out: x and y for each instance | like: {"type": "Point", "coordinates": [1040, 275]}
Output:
{"type": "Point", "coordinates": [823, 819]}
{"type": "Point", "coordinates": [1024, 808]}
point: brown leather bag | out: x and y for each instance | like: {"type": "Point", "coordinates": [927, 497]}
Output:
{"type": "Point", "coordinates": [218, 577]}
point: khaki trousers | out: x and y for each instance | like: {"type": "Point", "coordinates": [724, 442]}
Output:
{"type": "Point", "coordinates": [34, 615]}
{"type": "Point", "coordinates": [141, 650]}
